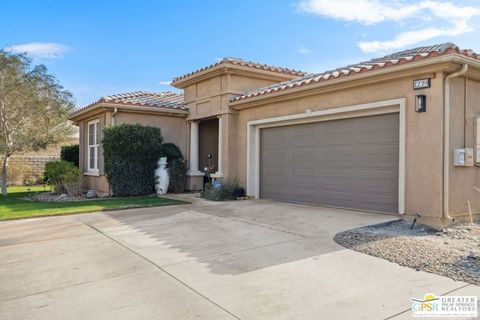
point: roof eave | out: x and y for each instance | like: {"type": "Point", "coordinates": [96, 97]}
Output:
{"type": "Point", "coordinates": [78, 116]}
{"type": "Point", "coordinates": [264, 98]}
{"type": "Point", "coordinates": [224, 68]}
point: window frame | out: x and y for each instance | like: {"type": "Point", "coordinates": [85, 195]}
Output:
{"type": "Point", "coordinates": [95, 145]}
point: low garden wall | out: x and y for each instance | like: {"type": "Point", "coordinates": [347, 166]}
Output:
{"type": "Point", "coordinates": [28, 169]}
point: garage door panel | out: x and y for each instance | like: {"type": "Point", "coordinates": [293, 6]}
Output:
{"type": "Point", "coordinates": [307, 176]}
{"type": "Point", "coordinates": [379, 148]}
{"type": "Point", "coordinates": [300, 143]}
{"type": "Point", "coordinates": [375, 175]}
{"type": "Point", "coordinates": [338, 139]}
{"type": "Point", "coordinates": [299, 140]}
{"type": "Point", "coordinates": [337, 162]}
{"type": "Point", "coordinates": [374, 188]}
{"type": "Point", "coordinates": [302, 180]}
{"type": "Point", "coordinates": [303, 159]}
{"type": "Point", "coordinates": [275, 180]}
{"type": "Point", "coordinates": [381, 204]}
{"type": "Point", "coordinates": [338, 191]}
{"type": "Point", "coordinates": [335, 172]}
{"type": "Point", "coordinates": [377, 198]}
{"type": "Point", "coordinates": [304, 198]}
{"type": "Point", "coordinates": [351, 163]}
{"type": "Point", "coordinates": [376, 136]}
{"type": "Point", "coordinates": [378, 162]}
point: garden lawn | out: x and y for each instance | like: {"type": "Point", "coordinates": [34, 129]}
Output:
{"type": "Point", "coordinates": [17, 205]}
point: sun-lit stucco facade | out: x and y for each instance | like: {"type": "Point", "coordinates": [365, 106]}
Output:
{"type": "Point", "coordinates": [229, 104]}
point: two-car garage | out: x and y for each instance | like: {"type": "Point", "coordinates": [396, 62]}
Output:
{"type": "Point", "coordinates": [348, 163]}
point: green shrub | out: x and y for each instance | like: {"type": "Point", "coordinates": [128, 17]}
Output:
{"type": "Point", "coordinates": [64, 177]}
{"type": "Point", "coordinates": [227, 190]}
{"type": "Point", "coordinates": [177, 167]}
{"type": "Point", "coordinates": [71, 154]}
{"type": "Point", "coordinates": [131, 153]}
{"type": "Point", "coordinates": [177, 171]}
{"type": "Point", "coordinates": [171, 151]}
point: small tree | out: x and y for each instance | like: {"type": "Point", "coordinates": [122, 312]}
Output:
{"type": "Point", "coordinates": [33, 108]}
{"type": "Point", "coordinates": [131, 153]}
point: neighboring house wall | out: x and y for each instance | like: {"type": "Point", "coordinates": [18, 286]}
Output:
{"type": "Point", "coordinates": [464, 107]}
{"type": "Point", "coordinates": [173, 130]}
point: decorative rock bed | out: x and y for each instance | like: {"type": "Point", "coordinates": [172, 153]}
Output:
{"type": "Point", "coordinates": [53, 197]}
{"type": "Point", "coordinates": [452, 252]}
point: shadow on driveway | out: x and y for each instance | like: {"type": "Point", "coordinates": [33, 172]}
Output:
{"type": "Point", "coordinates": [232, 237]}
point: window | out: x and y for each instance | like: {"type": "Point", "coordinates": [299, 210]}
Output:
{"type": "Point", "coordinates": [93, 147]}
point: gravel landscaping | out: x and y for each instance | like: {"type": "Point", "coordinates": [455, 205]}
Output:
{"type": "Point", "coordinates": [453, 252]}
{"type": "Point", "coordinates": [52, 197]}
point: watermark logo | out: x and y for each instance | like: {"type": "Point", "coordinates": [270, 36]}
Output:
{"type": "Point", "coordinates": [444, 306]}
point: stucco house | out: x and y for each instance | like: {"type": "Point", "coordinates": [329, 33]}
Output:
{"type": "Point", "coordinates": [397, 134]}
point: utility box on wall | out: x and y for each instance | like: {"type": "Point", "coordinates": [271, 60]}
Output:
{"type": "Point", "coordinates": [477, 140]}
{"type": "Point", "coordinates": [463, 157]}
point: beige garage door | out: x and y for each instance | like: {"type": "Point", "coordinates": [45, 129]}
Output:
{"type": "Point", "coordinates": [350, 163]}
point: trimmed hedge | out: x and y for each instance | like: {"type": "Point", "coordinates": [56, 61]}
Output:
{"type": "Point", "coordinates": [177, 167]}
{"type": "Point", "coordinates": [177, 170]}
{"type": "Point", "coordinates": [131, 153]}
{"type": "Point", "coordinates": [171, 151]}
{"type": "Point", "coordinates": [71, 154]}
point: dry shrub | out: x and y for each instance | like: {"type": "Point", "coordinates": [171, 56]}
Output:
{"type": "Point", "coordinates": [18, 173]}
{"type": "Point", "coordinates": [75, 188]}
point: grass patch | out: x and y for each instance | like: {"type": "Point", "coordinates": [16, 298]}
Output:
{"type": "Point", "coordinates": [17, 205]}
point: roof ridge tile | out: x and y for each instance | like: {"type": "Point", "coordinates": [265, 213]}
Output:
{"type": "Point", "coordinates": [165, 100]}
{"type": "Point", "coordinates": [402, 57]}
{"type": "Point", "coordinates": [246, 63]}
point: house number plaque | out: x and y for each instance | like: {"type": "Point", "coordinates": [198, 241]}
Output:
{"type": "Point", "coordinates": [421, 84]}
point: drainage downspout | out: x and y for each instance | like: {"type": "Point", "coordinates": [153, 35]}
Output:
{"type": "Point", "coordinates": [114, 113]}
{"type": "Point", "coordinates": [446, 140]}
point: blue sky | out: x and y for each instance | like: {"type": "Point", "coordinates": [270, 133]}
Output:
{"type": "Point", "coordinates": [97, 48]}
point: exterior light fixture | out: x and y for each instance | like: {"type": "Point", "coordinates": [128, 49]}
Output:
{"type": "Point", "coordinates": [421, 103]}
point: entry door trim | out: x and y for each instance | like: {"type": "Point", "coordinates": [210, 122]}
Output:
{"type": "Point", "coordinates": [379, 107]}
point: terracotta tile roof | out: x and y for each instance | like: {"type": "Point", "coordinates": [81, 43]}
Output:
{"type": "Point", "coordinates": [244, 63]}
{"type": "Point", "coordinates": [398, 58]}
{"type": "Point", "coordinates": [165, 100]}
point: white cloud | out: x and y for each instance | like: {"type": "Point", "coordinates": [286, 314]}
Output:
{"type": "Point", "coordinates": [165, 83]}
{"type": "Point", "coordinates": [454, 18]}
{"type": "Point", "coordinates": [304, 50]}
{"type": "Point", "coordinates": [40, 49]}
{"type": "Point", "coordinates": [410, 38]}
{"type": "Point", "coordinates": [361, 11]}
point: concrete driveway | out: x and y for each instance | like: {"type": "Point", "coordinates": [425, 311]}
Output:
{"type": "Point", "coordinates": [232, 260]}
